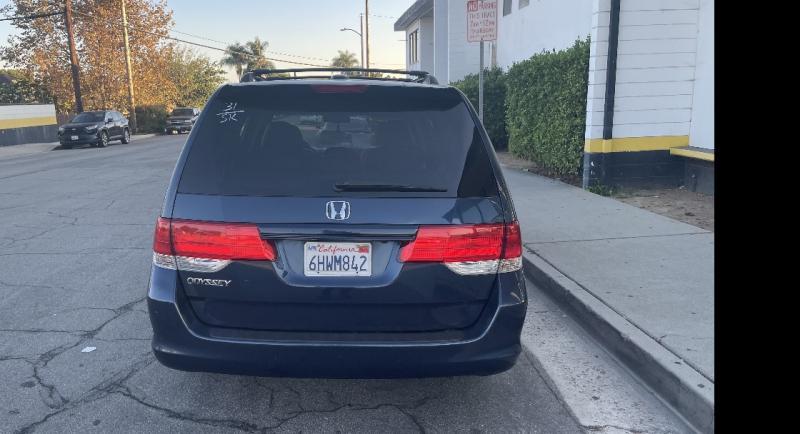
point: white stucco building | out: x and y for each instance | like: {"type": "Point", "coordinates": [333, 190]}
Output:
{"type": "Point", "coordinates": [526, 28]}
{"type": "Point", "coordinates": [660, 122]}
{"type": "Point", "coordinates": [655, 122]}
{"type": "Point", "coordinates": [436, 40]}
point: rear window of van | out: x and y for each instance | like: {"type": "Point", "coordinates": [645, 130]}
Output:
{"type": "Point", "coordinates": [337, 140]}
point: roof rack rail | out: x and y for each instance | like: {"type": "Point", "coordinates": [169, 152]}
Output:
{"type": "Point", "coordinates": [360, 73]}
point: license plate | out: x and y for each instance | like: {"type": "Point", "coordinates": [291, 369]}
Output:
{"type": "Point", "coordinates": [337, 259]}
{"type": "Point", "coordinates": [73, 137]}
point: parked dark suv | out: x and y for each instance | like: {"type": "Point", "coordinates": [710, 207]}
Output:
{"type": "Point", "coordinates": [181, 120]}
{"type": "Point", "coordinates": [378, 242]}
{"type": "Point", "coordinates": [95, 128]}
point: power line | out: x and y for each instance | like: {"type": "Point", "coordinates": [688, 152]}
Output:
{"type": "Point", "coordinates": [266, 51]}
{"type": "Point", "coordinates": [200, 37]}
{"type": "Point", "coordinates": [224, 50]}
{"type": "Point", "coordinates": [183, 41]}
{"type": "Point", "coordinates": [25, 17]}
{"type": "Point", "coordinates": [296, 55]}
{"type": "Point", "coordinates": [238, 52]}
{"type": "Point", "coordinates": [30, 17]}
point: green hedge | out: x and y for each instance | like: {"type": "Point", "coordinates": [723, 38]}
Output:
{"type": "Point", "coordinates": [494, 99]}
{"type": "Point", "coordinates": [151, 119]}
{"type": "Point", "coordinates": [546, 108]}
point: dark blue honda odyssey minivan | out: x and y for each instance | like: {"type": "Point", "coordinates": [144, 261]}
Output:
{"type": "Point", "coordinates": [337, 228]}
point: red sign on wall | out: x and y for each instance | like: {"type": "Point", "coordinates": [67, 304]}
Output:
{"type": "Point", "coordinates": [481, 20]}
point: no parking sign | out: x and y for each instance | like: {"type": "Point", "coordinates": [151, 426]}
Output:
{"type": "Point", "coordinates": [481, 20]}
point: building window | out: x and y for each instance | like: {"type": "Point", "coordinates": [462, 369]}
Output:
{"type": "Point", "coordinates": [523, 3]}
{"type": "Point", "coordinates": [506, 7]}
{"type": "Point", "coordinates": [413, 50]}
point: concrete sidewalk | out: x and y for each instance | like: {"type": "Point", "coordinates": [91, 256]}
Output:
{"type": "Point", "coordinates": [641, 283]}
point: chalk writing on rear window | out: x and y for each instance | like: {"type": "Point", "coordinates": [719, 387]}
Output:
{"type": "Point", "coordinates": [229, 114]}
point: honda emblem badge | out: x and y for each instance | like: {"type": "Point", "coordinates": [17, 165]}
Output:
{"type": "Point", "coordinates": [337, 210]}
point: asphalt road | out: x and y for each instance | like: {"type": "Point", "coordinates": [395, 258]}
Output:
{"type": "Point", "coordinates": [75, 249]}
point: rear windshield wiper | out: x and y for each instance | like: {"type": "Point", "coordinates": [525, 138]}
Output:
{"type": "Point", "coordinates": [387, 187]}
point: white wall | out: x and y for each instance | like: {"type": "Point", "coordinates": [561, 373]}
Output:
{"type": "Point", "coordinates": [426, 41]}
{"type": "Point", "coordinates": [440, 20]}
{"type": "Point", "coordinates": [26, 115]}
{"type": "Point", "coordinates": [702, 127]}
{"type": "Point", "coordinates": [656, 60]}
{"type": "Point", "coordinates": [446, 53]}
{"type": "Point", "coordinates": [463, 57]}
{"type": "Point", "coordinates": [595, 98]}
{"type": "Point", "coordinates": [542, 25]}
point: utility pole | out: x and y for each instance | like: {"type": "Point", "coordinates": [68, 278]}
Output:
{"type": "Point", "coordinates": [366, 27]}
{"type": "Point", "coordinates": [361, 29]}
{"type": "Point", "coordinates": [480, 85]}
{"type": "Point", "coordinates": [73, 58]}
{"type": "Point", "coordinates": [480, 75]}
{"type": "Point", "coordinates": [132, 114]}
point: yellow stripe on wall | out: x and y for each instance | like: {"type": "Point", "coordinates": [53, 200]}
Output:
{"type": "Point", "coordinates": [635, 144]}
{"type": "Point", "coordinates": [27, 122]}
{"type": "Point", "coordinates": [692, 153]}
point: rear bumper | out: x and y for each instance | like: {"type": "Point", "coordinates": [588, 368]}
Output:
{"type": "Point", "coordinates": [490, 346]}
{"type": "Point", "coordinates": [177, 128]}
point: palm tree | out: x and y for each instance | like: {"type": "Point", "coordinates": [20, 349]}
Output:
{"type": "Point", "coordinates": [258, 55]}
{"type": "Point", "coordinates": [248, 56]}
{"type": "Point", "coordinates": [345, 59]}
{"type": "Point", "coordinates": [236, 56]}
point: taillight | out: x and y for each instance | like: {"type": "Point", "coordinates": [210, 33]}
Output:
{"type": "Point", "coordinates": [468, 249]}
{"type": "Point", "coordinates": [162, 246]}
{"type": "Point", "coordinates": [512, 249]}
{"type": "Point", "coordinates": [219, 241]}
{"type": "Point", "coordinates": [455, 244]}
{"type": "Point", "coordinates": [161, 240]}
{"type": "Point", "coordinates": [207, 246]}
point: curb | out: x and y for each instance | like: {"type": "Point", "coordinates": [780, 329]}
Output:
{"type": "Point", "coordinates": [141, 136]}
{"type": "Point", "coordinates": [26, 149]}
{"type": "Point", "coordinates": [688, 392]}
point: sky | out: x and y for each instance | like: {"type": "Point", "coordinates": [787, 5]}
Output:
{"type": "Point", "coordinates": [308, 28]}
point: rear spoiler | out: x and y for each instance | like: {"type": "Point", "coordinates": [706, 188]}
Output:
{"type": "Point", "coordinates": [338, 74]}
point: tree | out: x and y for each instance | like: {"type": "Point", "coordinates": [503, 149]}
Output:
{"type": "Point", "coordinates": [235, 56]}
{"type": "Point", "coordinates": [40, 50]}
{"type": "Point", "coordinates": [494, 111]}
{"type": "Point", "coordinates": [258, 55]}
{"type": "Point", "coordinates": [248, 56]}
{"type": "Point", "coordinates": [195, 77]}
{"type": "Point", "coordinates": [345, 59]}
{"type": "Point", "coordinates": [16, 87]}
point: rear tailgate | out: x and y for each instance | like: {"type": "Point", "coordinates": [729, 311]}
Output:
{"type": "Point", "coordinates": [400, 158]}
{"type": "Point", "coordinates": [394, 297]}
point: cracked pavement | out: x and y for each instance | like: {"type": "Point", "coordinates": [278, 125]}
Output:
{"type": "Point", "coordinates": [75, 245]}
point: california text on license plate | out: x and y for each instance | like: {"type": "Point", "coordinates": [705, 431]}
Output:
{"type": "Point", "coordinates": [337, 259]}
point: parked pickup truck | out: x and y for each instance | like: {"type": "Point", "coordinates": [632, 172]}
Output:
{"type": "Point", "coordinates": [181, 120]}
